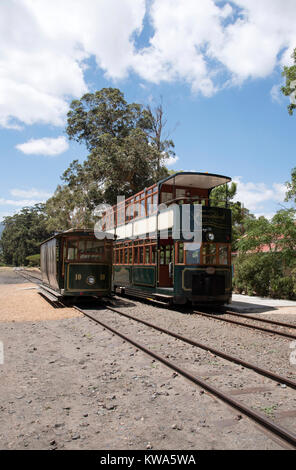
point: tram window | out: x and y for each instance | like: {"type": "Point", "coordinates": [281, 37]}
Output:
{"type": "Point", "coordinates": [91, 250]}
{"type": "Point", "coordinates": [162, 255]}
{"type": "Point", "coordinates": [153, 260]}
{"type": "Point", "coordinates": [130, 256]}
{"type": "Point", "coordinates": [180, 253]}
{"type": "Point", "coordinates": [136, 260]}
{"type": "Point", "coordinates": [192, 253]}
{"type": "Point", "coordinates": [223, 254]}
{"type": "Point", "coordinates": [72, 250]}
{"type": "Point", "coordinates": [128, 212]}
{"type": "Point", "coordinates": [209, 253]}
{"type": "Point", "coordinates": [147, 254]}
{"type": "Point", "coordinates": [165, 197]}
{"type": "Point", "coordinates": [141, 260]}
{"type": "Point", "coordinates": [180, 193]}
{"type": "Point", "coordinates": [168, 254]}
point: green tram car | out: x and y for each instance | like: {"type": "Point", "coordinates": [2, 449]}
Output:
{"type": "Point", "coordinates": [156, 255]}
{"type": "Point", "coordinates": [75, 263]}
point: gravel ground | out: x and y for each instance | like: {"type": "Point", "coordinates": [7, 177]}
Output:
{"type": "Point", "coordinates": [69, 384]}
{"type": "Point", "coordinates": [20, 301]}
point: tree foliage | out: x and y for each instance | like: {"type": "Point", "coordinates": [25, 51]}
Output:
{"type": "Point", "coordinates": [22, 234]}
{"type": "Point", "coordinates": [126, 153]}
{"type": "Point", "coordinates": [289, 88]}
{"type": "Point", "coordinates": [278, 234]}
{"type": "Point", "coordinates": [265, 275]}
{"type": "Point", "coordinates": [291, 188]}
{"type": "Point", "coordinates": [266, 264]}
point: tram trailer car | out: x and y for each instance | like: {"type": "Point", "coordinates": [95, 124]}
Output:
{"type": "Point", "coordinates": [75, 263]}
{"type": "Point", "coordinates": [151, 262]}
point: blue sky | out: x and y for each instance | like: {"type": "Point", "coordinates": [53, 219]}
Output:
{"type": "Point", "coordinates": [216, 64]}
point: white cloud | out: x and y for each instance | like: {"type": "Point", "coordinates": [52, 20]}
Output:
{"type": "Point", "coordinates": [44, 46]}
{"type": "Point", "coordinates": [195, 44]}
{"type": "Point", "coordinates": [30, 193]}
{"type": "Point", "coordinates": [171, 160]}
{"type": "Point", "coordinates": [18, 203]}
{"type": "Point", "coordinates": [275, 93]}
{"type": "Point", "coordinates": [29, 197]}
{"type": "Point", "coordinates": [257, 196]}
{"type": "Point", "coordinates": [44, 146]}
{"type": "Point", "coordinates": [207, 44]}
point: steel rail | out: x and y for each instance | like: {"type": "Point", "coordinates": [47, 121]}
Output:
{"type": "Point", "coordinates": [264, 320]}
{"type": "Point", "coordinates": [248, 365]}
{"type": "Point", "coordinates": [28, 275]}
{"type": "Point", "coordinates": [254, 327]}
{"type": "Point", "coordinates": [260, 419]}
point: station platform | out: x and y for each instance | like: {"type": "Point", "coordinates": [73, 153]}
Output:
{"type": "Point", "coordinates": [248, 304]}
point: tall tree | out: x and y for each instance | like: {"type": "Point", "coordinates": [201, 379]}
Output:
{"type": "Point", "coordinates": [124, 155]}
{"type": "Point", "coordinates": [22, 234]}
{"type": "Point", "coordinates": [163, 145]}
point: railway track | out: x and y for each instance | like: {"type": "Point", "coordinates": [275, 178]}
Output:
{"type": "Point", "coordinates": [267, 424]}
{"type": "Point", "coordinates": [217, 316]}
{"type": "Point", "coordinates": [285, 435]}
{"type": "Point", "coordinates": [220, 317]}
{"type": "Point", "coordinates": [29, 275]}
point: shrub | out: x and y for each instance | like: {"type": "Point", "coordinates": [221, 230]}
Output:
{"type": "Point", "coordinates": [282, 287]}
{"type": "Point", "coordinates": [253, 273]}
{"type": "Point", "coordinates": [34, 260]}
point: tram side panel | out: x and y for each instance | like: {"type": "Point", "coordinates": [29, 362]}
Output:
{"type": "Point", "coordinates": [49, 264]}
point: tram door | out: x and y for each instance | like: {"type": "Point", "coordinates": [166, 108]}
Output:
{"type": "Point", "coordinates": [166, 265]}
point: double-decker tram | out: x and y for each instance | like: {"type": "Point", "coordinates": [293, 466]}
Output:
{"type": "Point", "coordinates": [171, 245]}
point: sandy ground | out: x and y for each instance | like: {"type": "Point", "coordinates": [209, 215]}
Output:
{"type": "Point", "coordinates": [67, 383]}
{"type": "Point", "coordinates": [21, 302]}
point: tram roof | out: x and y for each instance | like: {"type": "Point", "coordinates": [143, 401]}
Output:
{"type": "Point", "coordinates": [75, 231]}
{"type": "Point", "coordinates": [195, 180]}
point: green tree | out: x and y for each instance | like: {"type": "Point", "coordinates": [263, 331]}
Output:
{"type": "Point", "coordinates": [289, 88]}
{"type": "Point", "coordinates": [271, 272]}
{"type": "Point", "coordinates": [291, 188]}
{"type": "Point", "coordinates": [126, 153]}
{"type": "Point", "coordinates": [22, 234]}
{"type": "Point", "coordinates": [279, 234]}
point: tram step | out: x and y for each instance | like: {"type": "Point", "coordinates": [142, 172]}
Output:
{"type": "Point", "coordinates": [49, 296]}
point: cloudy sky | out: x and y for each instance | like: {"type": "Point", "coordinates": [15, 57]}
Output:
{"type": "Point", "coordinates": [216, 64]}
